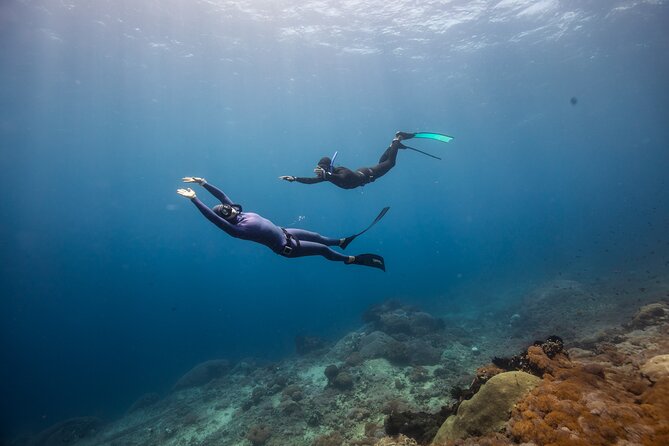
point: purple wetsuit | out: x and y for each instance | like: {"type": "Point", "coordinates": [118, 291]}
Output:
{"type": "Point", "coordinates": [288, 242]}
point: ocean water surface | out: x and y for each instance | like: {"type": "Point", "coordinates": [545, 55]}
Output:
{"type": "Point", "coordinates": [113, 285]}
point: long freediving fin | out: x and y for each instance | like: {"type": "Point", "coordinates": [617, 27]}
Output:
{"type": "Point", "coordinates": [420, 151]}
{"type": "Point", "coordinates": [431, 135]}
{"type": "Point", "coordinates": [350, 238]}
{"type": "Point", "coordinates": [373, 260]}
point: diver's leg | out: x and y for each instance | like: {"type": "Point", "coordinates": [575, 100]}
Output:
{"type": "Point", "coordinates": [310, 236]}
{"type": "Point", "coordinates": [317, 249]}
{"type": "Point", "coordinates": [387, 160]}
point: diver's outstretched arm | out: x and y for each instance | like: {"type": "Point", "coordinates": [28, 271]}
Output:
{"type": "Point", "coordinates": [230, 229]}
{"type": "Point", "coordinates": [216, 192]}
{"type": "Point", "coordinates": [303, 180]}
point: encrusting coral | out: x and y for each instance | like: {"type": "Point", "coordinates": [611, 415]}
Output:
{"type": "Point", "coordinates": [489, 408]}
{"type": "Point", "coordinates": [617, 394]}
{"type": "Point", "coordinates": [580, 405]}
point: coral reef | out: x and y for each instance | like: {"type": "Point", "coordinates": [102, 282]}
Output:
{"type": "Point", "coordinates": [581, 405]}
{"type": "Point", "coordinates": [489, 408]}
{"type": "Point", "coordinates": [616, 394]}
{"type": "Point", "coordinates": [405, 371]}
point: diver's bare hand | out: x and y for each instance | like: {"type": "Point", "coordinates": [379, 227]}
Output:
{"type": "Point", "coordinates": [197, 180]}
{"type": "Point", "coordinates": [320, 172]}
{"type": "Point", "coordinates": [289, 178]}
{"type": "Point", "coordinates": [188, 193]}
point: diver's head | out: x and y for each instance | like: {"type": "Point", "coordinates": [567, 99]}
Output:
{"type": "Point", "coordinates": [325, 163]}
{"type": "Point", "coordinates": [227, 211]}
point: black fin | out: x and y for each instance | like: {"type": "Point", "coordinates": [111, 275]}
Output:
{"type": "Point", "coordinates": [373, 260]}
{"type": "Point", "coordinates": [350, 238]}
{"type": "Point", "coordinates": [420, 151]}
{"type": "Point", "coordinates": [347, 241]}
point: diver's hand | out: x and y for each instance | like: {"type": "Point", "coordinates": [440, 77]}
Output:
{"type": "Point", "coordinates": [197, 180]}
{"type": "Point", "coordinates": [188, 193]}
{"type": "Point", "coordinates": [320, 172]}
{"type": "Point", "coordinates": [288, 178]}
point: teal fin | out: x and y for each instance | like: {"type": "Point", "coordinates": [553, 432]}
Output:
{"type": "Point", "coordinates": [373, 260]}
{"type": "Point", "coordinates": [436, 136]}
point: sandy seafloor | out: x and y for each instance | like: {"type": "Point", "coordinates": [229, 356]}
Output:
{"type": "Point", "coordinates": [404, 360]}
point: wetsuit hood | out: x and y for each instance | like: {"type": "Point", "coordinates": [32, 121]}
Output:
{"type": "Point", "coordinates": [227, 211]}
{"type": "Point", "coordinates": [325, 163]}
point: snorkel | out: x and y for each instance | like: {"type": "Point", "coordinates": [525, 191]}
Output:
{"type": "Point", "coordinates": [334, 157]}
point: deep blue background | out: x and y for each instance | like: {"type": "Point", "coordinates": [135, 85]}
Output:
{"type": "Point", "coordinates": [113, 285]}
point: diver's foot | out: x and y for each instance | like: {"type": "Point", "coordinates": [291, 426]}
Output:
{"type": "Point", "coordinates": [396, 143]}
{"type": "Point", "coordinates": [404, 135]}
{"type": "Point", "coordinates": [344, 242]}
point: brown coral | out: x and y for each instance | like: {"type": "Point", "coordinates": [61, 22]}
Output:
{"type": "Point", "coordinates": [574, 406]}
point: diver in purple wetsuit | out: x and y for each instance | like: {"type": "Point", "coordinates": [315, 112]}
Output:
{"type": "Point", "coordinates": [288, 242]}
{"type": "Point", "coordinates": [348, 179]}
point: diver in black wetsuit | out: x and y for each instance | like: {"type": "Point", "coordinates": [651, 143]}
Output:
{"type": "Point", "coordinates": [348, 179]}
{"type": "Point", "coordinates": [288, 242]}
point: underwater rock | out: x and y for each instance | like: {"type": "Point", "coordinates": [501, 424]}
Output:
{"type": "Point", "coordinates": [489, 408]}
{"type": "Point", "coordinates": [338, 378]}
{"type": "Point", "coordinates": [346, 346]}
{"type": "Point", "coordinates": [656, 368]}
{"type": "Point", "coordinates": [331, 372]}
{"type": "Point", "coordinates": [203, 373]}
{"type": "Point", "coordinates": [379, 345]}
{"type": "Point", "coordinates": [422, 353]}
{"type": "Point", "coordinates": [420, 426]}
{"type": "Point", "coordinates": [343, 381]}
{"type": "Point", "coordinates": [394, 318]}
{"type": "Point", "coordinates": [259, 434]}
{"type": "Point", "coordinates": [650, 314]}
{"type": "Point", "coordinates": [67, 432]}
{"type": "Point", "coordinates": [354, 359]}
{"type": "Point", "coordinates": [293, 392]}
{"type": "Point", "coordinates": [289, 407]}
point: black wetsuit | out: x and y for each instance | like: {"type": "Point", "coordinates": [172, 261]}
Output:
{"type": "Point", "coordinates": [288, 242]}
{"type": "Point", "coordinates": [348, 179]}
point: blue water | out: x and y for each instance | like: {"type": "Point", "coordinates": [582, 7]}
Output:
{"type": "Point", "coordinates": [113, 285]}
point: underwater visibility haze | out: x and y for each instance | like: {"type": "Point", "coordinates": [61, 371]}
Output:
{"type": "Point", "coordinates": [113, 285]}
